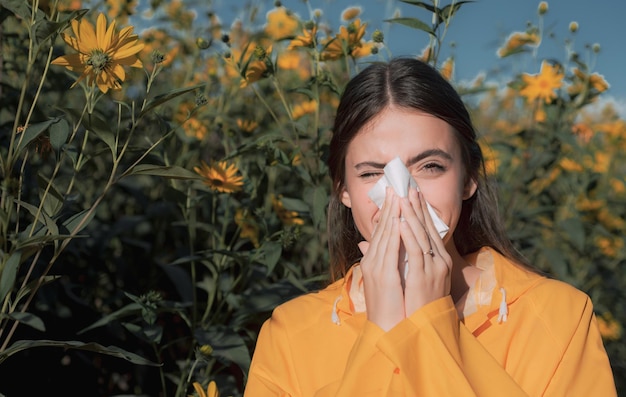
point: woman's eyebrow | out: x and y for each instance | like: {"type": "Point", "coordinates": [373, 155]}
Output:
{"type": "Point", "coordinates": [369, 164]}
{"type": "Point", "coordinates": [412, 160]}
{"type": "Point", "coordinates": [428, 153]}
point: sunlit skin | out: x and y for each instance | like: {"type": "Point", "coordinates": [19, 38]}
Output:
{"type": "Point", "coordinates": [429, 149]}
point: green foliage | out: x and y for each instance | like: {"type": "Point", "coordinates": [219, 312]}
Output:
{"type": "Point", "coordinates": [170, 217]}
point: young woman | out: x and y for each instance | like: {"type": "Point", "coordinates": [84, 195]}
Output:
{"type": "Point", "coordinates": [466, 316]}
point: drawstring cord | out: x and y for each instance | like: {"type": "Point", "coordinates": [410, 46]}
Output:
{"type": "Point", "coordinates": [335, 316]}
{"type": "Point", "coordinates": [504, 310]}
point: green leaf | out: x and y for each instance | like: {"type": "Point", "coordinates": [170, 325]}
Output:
{"type": "Point", "coordinates": [412, 23]}
{"type": "Point", "coordinates": [92, 122]}
{"type": "Point", "coordinates": [39, 240]}
{"type": "Point", "coordinates": [227, 345]}
{"type": "Point", "coordinates": [21, 9]}
{"type": "Point", "coordinates": [40, 216]}
{"type": "Point", "coordinates": [8, 273]}
{"type": "Point", "coordinates": [75, 220]}
{"type": "Point", "coordinates": [575, 230]}
{"type": "Point", "coordinates": [293, 204]}
{"type": "Point", "coordinates": [28, 319]}
{"type": "Point", "coordinates": [45, 29]}
{"type": "Point", "coordinates": [53, 201]}
{"type": "Point", "coordinates": [556, 262]}
{"type": "Point", "coordinates": [33, 131]}
{"type": "Point", "coordinates": [271, 254]}
{"type": "Point", "coordinates": [171, 171]}
{"type": "Point", "coordinates": [92, 347]}
{"type": "Point", "coordinates": [319, 204]}
{"type": "Point", "coordinates": [33, 285]}
{"type": "Point", "coordinates": [59, 132]}
{"type": "Point", "coordinates": [420, 4]}
{"type": "Point", "coordinates": [447, 12]}
{"type": "Point", "coordinates": [131, 309]}
{"type": "Point", "coordinates": [162, 98]}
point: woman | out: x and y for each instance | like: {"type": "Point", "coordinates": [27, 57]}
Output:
{"type": "Point", "coordinates": [411, 313]}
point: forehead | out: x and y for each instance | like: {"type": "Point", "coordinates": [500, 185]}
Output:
{"type": "Point", "coordinates": [402, 132]}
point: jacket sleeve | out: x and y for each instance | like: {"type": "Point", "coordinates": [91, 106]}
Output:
{"type": "Point", "coordinates": [429, 354]}
{"type": "Point", "coordinates": [584, 369]}
{"type": "Point", "coordinates": [272, 372]}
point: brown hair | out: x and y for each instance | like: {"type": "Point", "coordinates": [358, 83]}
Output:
{"type": "Point", "coordinates": [411, 84]}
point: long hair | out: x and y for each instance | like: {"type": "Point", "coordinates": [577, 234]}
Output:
{"type": "Point", "coordinates": [410, 84]}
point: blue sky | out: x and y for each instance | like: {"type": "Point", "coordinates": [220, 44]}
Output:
{"type": "Point", "coordinates": [480, 28]}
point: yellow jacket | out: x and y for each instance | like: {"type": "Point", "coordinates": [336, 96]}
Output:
{"type": "Point", "coordinates": [546, 344]}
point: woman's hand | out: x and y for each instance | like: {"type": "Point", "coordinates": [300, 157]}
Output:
{"type": "Point", "coordinates": [384, 297]}
{"type": "Point", "coordinates": [429, 264]}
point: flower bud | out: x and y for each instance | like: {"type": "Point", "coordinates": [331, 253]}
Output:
{"type": "Point", "coordinates": [573, 26]}
{"type": "Point", "coordinates": [543, 8]}
{"type": "Point", "coordinates": [260, 52]}
{"type": "Point", "coordinates": [378, 36]}
{"type": "Point", "coordinates": [202, 43]}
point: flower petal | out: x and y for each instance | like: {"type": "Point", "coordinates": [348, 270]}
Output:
{"type": "Point", "coordinates": [87, 38]}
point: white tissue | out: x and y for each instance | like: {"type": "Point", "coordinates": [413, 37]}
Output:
{"type": "Point", "coordinates": [398, 176]}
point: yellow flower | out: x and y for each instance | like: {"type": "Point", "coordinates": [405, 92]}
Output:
{"type": "Point", "coordinates": [121, 9]}
{"type": "Point", "coordinates": [350, 13]}
{"type": "Point", "coordinates": [256, 71]}
{"type": "Point", "coordinates": [594, 80]}
{"type": "Point", "coordinates": [288, 61]}
{"type": "Point", "coordinates": [583, 132]}
{"type": "Point", "coordinates": [609, 328]}
{"type": "Point", "coordinates": [610, 220]}
{"type": "Point", "coordinates": [447, 68]}
{"type": "Point", "coordinates": [540, 184]}
{"type": "Point", "coordinates": [516, 41]}
{"type": "Point", "coordinates": [617, 185]}
{"type": "Point", "coordinates": [159, 40]}
{"type": "Point", "coordinates": [585, 204]}
{"type": "Point", "coordinates": [180, 14]}
{"type": "Point", "coordinates": [614, 129]}
{"type": "Point", "coordinates": [540, 115]}
{"type": "Point", "coordinates": [303, 108]}
{"type": "Point", "coordinates": [211, 390]}
{"type": "Point", "coordinates": [191, 125]}
{"type": "Point", "coordinates": [102, 53]}
{"type": "Point", "coordinates": [249, 228]}
{"type": "Point", "coordinates": [307, 40]}
{"type": "Point", "coordinates": [345, 41]}
{"type": "Point", "coordinates": [543, 7]}
{"type": "Point", "coordinates": [364, 50]}
{"type": "Point", "coordinates": [570, 165]}
{"type": "Point", "coordinates": [258, 68]}
{"type": "Point", "coordinates": [491, 158]}
{"type": "Point", "coordinates": [297, 159]}
{"type": "Point", "coordinates": [542, 85]}
{"type": "Point", "coordinates": [280, 23]}
{"type": "Point", "coordinates": [247, 125]}
{"type": "Point", "coordinates": [286, 217]}
{"type": "Point", "coordinates": [69, 5]}
{"type": "Point", "coordinates": [599, 163]}
{"type": "Point", "coordinates": [610, 247]}
{"type": "Point", "coordinates": [427, 54]}
{"type": "Point", "coordinates": [221, 176]}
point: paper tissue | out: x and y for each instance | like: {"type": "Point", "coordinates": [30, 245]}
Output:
{"type": "Point", "coordinates": [398, 176]}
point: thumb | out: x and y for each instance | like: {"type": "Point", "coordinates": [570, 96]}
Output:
{"type": "Point", "coordinates": [363, 246]}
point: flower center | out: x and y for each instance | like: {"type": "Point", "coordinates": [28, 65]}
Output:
{"type": "Point", "coordinates": [98, 60]}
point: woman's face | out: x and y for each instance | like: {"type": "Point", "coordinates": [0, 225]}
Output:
{"type": "Point", "coordinates": [430, 151]}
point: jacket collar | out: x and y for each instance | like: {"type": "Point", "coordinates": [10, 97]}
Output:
{"type": "Point", "coordinates": [513, 278]}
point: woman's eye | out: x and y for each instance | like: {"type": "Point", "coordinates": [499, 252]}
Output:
{"type": "Point", "coordinates": [369, 175]}
{"type": "Point", "coordinates": [434, 167]}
